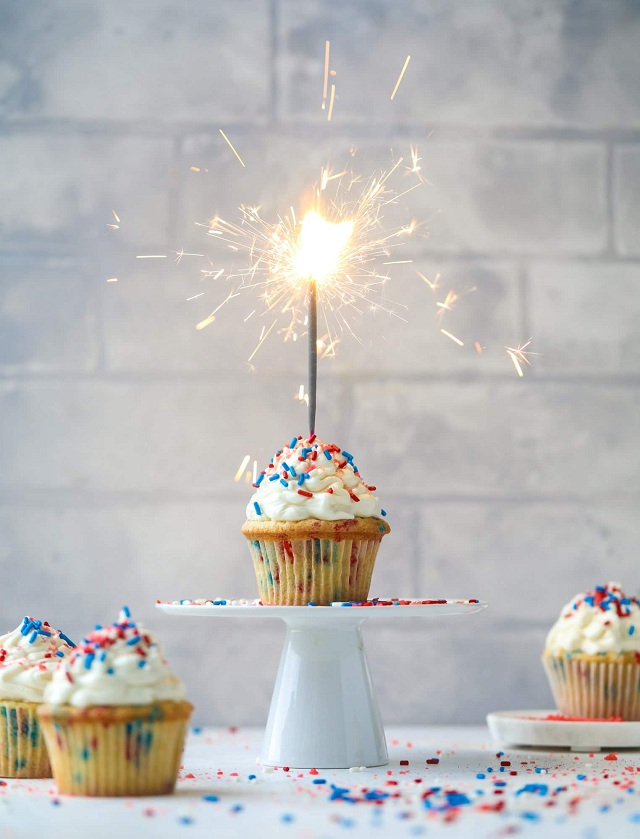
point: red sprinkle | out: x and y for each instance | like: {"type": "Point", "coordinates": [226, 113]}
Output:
{"type": "Point", "coordinates": [305, 493]}
{"type": "Point", "coordinates": [612, 756]}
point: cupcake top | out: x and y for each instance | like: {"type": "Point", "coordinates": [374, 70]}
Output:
{"type": "Point", "coordinates": [309, 479]}
{"type": "Point", "coordinates": [121, 664]}
{"type": "Point", "coordinates": [601, 621]}
{"type": "Point", "coordinates": [28, 657]}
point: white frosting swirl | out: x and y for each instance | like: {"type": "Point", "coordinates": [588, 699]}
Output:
{"type": "Point", "coordinates": [121, 664]}
{"type": "Point", "coordinates": [309, 479]}
{"type": "Point", "coordinates": [604, 620]}
{"type": "Point", "coordinates": [28, 658]}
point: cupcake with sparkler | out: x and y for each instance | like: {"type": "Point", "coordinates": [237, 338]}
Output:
{"type": "Point", "coordinates": [28, 656]}
{"type": "Point", "coordinates": [115, 716]}
{"type": "Point", "coordinates": [592, 655]}
{"type": "Point", "coordinates": [313, 526]}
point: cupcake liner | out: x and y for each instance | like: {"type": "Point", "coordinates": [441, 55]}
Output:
{"type": "Point", "coordinates": [597, 689]}
{"type": "Point", "coordinates": [120, 750]}
{"type": "Point", "coordinates": [23, 752]}
{"type": "Point", "coordinates": [314, 560]}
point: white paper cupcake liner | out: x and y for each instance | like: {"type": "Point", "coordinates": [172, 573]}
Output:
{"type": "Point", "coordinates": [586, 687]}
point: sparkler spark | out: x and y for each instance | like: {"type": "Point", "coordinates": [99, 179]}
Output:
{"type": "Point", "coordinates": [241, 468]}
{"type": "Point", "coordinates": [520, 356]}
{"type": "Point", "coordinates": [402, 72]}
{"type": "Point", "coordinates": [327, 48]}
{"type": "Point", "coordinates": [453, 337]}
{"type": "Point", "coordinates": [152, 256]}
{"type": "Point", "coordinates": [231, 146]}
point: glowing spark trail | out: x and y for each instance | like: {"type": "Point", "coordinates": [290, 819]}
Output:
{"type": "Point", "coordinates": [453, 337]}
{"type": "Point", "coordinates": [333, 96]}
{"type": "Point", "coordinates": [230, 144]}
{"type": "Point", "coordinates": [402, 72]}
{"type": "Point", "coordinates": [519, 356]}
{"type": "Point", "coordinates": [152, 256]}
{"type": "Point", "coordinates": [327, 47]}
{"type": "Point", "coordinates": [112, 280]}
{"type": "Point", "coordinates": [240, 472]}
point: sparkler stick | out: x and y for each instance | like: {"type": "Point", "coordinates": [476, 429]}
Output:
{"type": "Point", "coordinates": [313, 354]}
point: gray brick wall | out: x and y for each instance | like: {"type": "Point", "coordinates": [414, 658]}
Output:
{"type": "Point", "coordinates": [122, 426]}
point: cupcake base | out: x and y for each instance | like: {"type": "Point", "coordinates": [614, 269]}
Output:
{"type": "Point", "coordinates": [595, 687]}
{"type": "Point", "coordinates": [314, 561]}
{"type": "Point", "coordinates": [23, 752]}
{"type": "Point", "coordinates": [116, 750]}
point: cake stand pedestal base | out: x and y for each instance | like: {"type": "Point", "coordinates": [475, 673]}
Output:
{"type": "Point", "coordinates": [324, 713]}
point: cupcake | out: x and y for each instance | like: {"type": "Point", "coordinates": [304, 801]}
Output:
{"type": "Point", "coordinates": [28, 657]}
{"type": "Point", "coordinates": [115, 716]}
{"type": "Point", "coordinates": [313, 526]}
{"type": "Point", "coordinates": [592, 655]}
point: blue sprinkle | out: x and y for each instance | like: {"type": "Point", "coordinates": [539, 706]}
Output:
{"type": "Point", "coordinates": [126, 612]}
{"type": "Point", "coordinates": [196, 729]}
{"type": "Point", "coordinates": [133, 641]}
{"type": "Point", "coordinates": [311, 603]}
{"type": "Point", "coordinates": [44, 632]}
{"type": "Point", "coordinates": [540, 769]}
{"type": "Point", "coordinates": [346, 604]}
{"type": "Point", "coordinates": [532, 817]}
{"type": "Point", "coordinates": [347, 455]}
{"type": "Point", "coordinates": [97, 626]}
{"type": "Point", "coordinates": [286, 466]}
{"type": "Point", "coordinates": [635, 818]}
{"type": "Point", "coordinates": [283, 482]}
{"type": "Point", "coordinates": [103, 655]}
{"type": "Point", "coordinates": [538, 789]}
{"type": "Point", "coordinates": [252, 777]}
{"type": "Point", "coordinates": [501, 769]}
{"type": "Point", "coordinates": [581, 777]}
{"type": "Point", "coordinates": [59, 653]}
{"type": "Point", "coordinates": [211, 798]}
{"type": "Point", "coordinates": [185, 820]}
{"type": "Point", "coordinates": [66, 640]}
{"type": "Point", "coordinates": [301, 479]}
{"type": "Point", "coordinates": [110, 671]}
{"type": "Point", "coordinates": [327, 454]}
{"type": "Point", "coordinates": [256, 507]}
{"type": "Point", "coordinates": [274, 477]}
{"type": "Point", "coordinates": [33, 637]}
{"type": "Point", "coordinates": [260, 479]}
{"type": "Point", "coordinates": [500, 784]}
{"type": "Point", "coordinates": [456, 799]}
{"type": "Point", "coordinates": [489, 768]}
{"type": "Point", "coordinates": [287, 818]}
{"type": "Point", "coordinates": [383, 512]}
{"type": "Point", "coordinates": [318, 781]}
{"type": "Point", "coordinates": [141, 663]}
{"type": "Point", "coordinates": [293, 472]}
{"type": "Point", "coordinates": [55, 802]}
{"type": "Point", "coordinates": [632, 629]}
{"type": "Point", "coordinates": [237, 808]}
{"type": "Point", "coordinates": [481, 775]}
{"type": "Point", "coordinates": [89, 660]}
{"type": "Point", "coordinates": [219, 602]}
{"type": "Point", "coordinates": [292, 444]}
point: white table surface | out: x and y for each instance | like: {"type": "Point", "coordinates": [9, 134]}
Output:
{"type": "Point", "coordinates": [218, 762]}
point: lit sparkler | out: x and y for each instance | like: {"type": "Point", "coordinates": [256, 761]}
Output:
{"type": "Point", "coordinates": [328, 259]}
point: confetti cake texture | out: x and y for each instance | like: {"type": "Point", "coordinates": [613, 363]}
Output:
{"type": "Point", "coordinates": [592, 655]}
{"type": "Point", "coordinates": [115, 716]}
{"type": "Point", "coordinates": [28, 656]}
{"type": "Point", "coordinates": [313, 526]}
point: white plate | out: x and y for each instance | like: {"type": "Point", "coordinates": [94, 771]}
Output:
{"type": "Point", "coordinates": [331, 613]}
{"type": "Point", "coordinates": [531, 728]}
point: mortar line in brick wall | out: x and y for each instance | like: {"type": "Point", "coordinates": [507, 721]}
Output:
{"type": "Point", "coordinates": [610, 201]}
{"type": "Point", "coordinates": [212, 378]}
{"type": "Point", "coordinates": [525, 302]}
{"type": "Point", "coordinates": [274, 105]}
{"type": "Point", "coordinates": [352, 131]}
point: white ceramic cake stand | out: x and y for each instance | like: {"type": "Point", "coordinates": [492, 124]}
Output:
{"type": "Point", "coordinates": [324, 712]}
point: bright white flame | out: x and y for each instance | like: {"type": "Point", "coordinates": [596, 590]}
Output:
{"type": "Point", "coordinates": [320, 245]}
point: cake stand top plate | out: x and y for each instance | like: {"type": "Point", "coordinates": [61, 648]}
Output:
{"type": "Point", "coordinates": [330, 613]}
